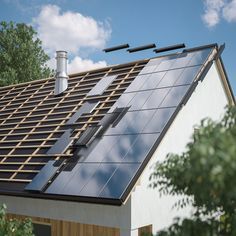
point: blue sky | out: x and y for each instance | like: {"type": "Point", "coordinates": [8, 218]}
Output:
{"type": "Point", "coordinates": [85, 27]}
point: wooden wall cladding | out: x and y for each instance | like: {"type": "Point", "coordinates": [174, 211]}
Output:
{"type": "Point", "coordinates": [145, 231]}
{"type": "Point", "coordinates": [67, 228]}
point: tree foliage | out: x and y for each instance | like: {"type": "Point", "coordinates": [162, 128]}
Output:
{"type": "Point", "coordinates": [206, 175]}
{"type": "Point", "coordinates": [21, 55]}
{"type": "Point", "coordinates": [14, 227]}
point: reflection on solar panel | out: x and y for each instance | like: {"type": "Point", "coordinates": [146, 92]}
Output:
{"type": "Point", "coordinates": [98, 153]}
{"type": "Point", "coordinates": [101, 86]}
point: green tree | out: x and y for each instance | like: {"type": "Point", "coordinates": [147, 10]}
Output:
{"type": "Point", "coordinates": [14, 227]}
{"type": "Point", "coordinates": [22, 58]}
{"type": "Point", "coordinates": [205, 174]}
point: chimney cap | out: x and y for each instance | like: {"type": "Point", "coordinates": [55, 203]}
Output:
{"type": "Point", "coordinates": [61, 53]}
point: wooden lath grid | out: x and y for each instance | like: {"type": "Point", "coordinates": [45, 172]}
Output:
{"type": "Point", "coordinates": [32, 118]}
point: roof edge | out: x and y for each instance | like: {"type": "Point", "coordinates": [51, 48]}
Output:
{"type": "Point", "coordinates": [67, 198]}
{"type": "Point", "coordinates": [225, 80]}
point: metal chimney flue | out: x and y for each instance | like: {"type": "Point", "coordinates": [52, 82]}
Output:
{"type": "Point", "coordinates": [61, 82]}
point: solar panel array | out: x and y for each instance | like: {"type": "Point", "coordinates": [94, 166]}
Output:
{"type": "Point", "coordinates": [41, 132]}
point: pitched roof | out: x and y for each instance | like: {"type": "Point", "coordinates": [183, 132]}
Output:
{"type": "Point", "coordinates": [93, 142]}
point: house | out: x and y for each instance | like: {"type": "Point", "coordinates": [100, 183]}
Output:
{"type": "Point", "coordinates": [76, 153]}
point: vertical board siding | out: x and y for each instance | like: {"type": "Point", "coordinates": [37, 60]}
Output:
{"type": "Point", "coordinates": [67, 228]}
{"type": "Point", "coordinates": [145, 231]}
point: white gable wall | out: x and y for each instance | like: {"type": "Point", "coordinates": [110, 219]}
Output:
{"type": "Point", "coordinates": [208, 100]}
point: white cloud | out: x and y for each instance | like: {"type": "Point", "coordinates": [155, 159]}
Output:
{"type": "Point", "coordinates": [215, 10]}
{"type": "Point", "coordinates": [215, 4]}
{"type": "Point", "coordinates": [69, 31]}
{"type": "Point", "coordinates": [78, 64]}
{"type": "Point", "coordinates": [73, 32]}
{"type": "Point", "coordinates": [212, 13]}
{"type": "Point", "coordinates": [211, 18]}
{"type": "Point", "coordinates": [229, 11]}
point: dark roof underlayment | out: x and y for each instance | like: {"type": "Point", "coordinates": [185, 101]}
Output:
{"type": "Point", "coordinates": [92, 143]}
